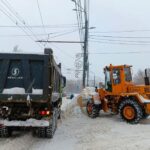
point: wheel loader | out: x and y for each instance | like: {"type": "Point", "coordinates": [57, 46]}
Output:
{"type": "Point", "coordinates": [121, 96]}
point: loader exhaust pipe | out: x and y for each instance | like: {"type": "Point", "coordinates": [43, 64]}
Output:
{"type": "Point", "coordinates": [146, 78]}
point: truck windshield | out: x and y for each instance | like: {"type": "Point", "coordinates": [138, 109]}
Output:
{"type": "Point", "coordinates": [108, 85]}
{"type": "Point", "coordinates": [128, 76]}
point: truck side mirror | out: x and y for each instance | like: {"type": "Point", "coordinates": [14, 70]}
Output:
{"type": "Point", "coordinates": [64, 82]}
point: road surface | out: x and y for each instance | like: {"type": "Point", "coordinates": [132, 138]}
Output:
{"type": "Point", "coordinates": [79, 132]}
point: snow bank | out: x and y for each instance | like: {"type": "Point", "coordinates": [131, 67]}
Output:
{"type": "Point", "coordinates": [87, 92]}
{"type": "Point", "coordinates": [67, 106]}
{"type": "Point", "coordinates": [85, 95]}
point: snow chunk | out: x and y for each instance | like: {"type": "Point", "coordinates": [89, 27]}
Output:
{"type": "Point", "coordinates": [87, 92]}
{"type": "Point", "coordinates": [37, 91]}
{"type": "Point", "coordinates": [144, 100]}
{"type": "Point", "coordinates": [15, 90]}
{"type": "Point", "coordinates": [67, 106]}
{"type": "Point", "coordinates": [28, 123]}
{"type": "Point", "coordinates": [18, 90]}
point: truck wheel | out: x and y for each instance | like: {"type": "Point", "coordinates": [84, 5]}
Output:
{"type": "Point", "coordinates": [92, 109]}
{"type": "Point", "coordinates": [130, 111]}
{"type": "Point", "coordinates": [53, 125]}
{"type": "Point", "coordinates": [41, 132]}
{"type": "Point", "coordinates": [59, 113]}
{"type": "Point", "coordinates": [5, 131]}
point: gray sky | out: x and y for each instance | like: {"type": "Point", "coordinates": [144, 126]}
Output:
{"type": "Point", "coordinates": [108, 16]}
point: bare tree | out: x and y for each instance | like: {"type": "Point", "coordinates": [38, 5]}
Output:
{"type": "Point", "coordinates": [139, 77]}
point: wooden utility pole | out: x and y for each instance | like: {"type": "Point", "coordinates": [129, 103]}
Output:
{"type": "Point", "coordinates": [85, 53]}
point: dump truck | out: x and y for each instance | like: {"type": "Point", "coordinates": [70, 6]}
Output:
{"type": "Point", "coordinates": [30, 93]}
{"type": "Point", "coordinates": [121, 96]}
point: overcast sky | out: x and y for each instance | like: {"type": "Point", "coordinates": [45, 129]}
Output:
{"type": "Point", "coordinates": [110, 17]}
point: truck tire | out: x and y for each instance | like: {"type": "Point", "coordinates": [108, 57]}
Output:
{"type": "Point", "coordinates": [59, 113]}
{"type": "Point", "coordinates": [5, 131]}
{"type": "Point", "coordinates": [41, 132]}
{"type": "Point", "coordinates": [92, 109]}
{"type": "Point", "coordinates": [53, 125]}
{"type": "Point", "coordinates": [130, 111]}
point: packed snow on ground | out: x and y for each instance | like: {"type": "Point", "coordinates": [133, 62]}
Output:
{"type": "Point", "coordinates": [77, 131]}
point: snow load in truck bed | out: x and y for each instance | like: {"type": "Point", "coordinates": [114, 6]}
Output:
{"type": "Point", "coordinates": [17, 90]}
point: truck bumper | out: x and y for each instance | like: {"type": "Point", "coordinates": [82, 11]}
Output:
{"type": "Point", "coordinates": [27, 123]}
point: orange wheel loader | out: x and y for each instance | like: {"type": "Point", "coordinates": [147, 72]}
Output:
{"type": "Point", "coordinates": [121, 96]}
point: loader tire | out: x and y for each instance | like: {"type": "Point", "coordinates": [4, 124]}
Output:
{"type": "Point", "coordinates": [145, 115]}
{"type": "Point", "coordinates": [130, 111]}
{"type": "Point", "coordinates": [92, 109]}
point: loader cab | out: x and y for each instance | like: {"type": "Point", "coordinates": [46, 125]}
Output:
{"type": "Point", "coordinates": [117, 78]}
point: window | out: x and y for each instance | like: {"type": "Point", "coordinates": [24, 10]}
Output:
{"type": "Point", "coordinates": [116, 76]}
{"type": "Point", "coordinates": [128, 76]}
{"type": "Point", "coordinates": [108, 85]}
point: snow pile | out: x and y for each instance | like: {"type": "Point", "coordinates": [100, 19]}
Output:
{"type": "Point", "coordinates": [85, 95]}
{"type": "Point", "coordinates": [87, 92]}
{"type": "Point", "coordinates": [67, 106]}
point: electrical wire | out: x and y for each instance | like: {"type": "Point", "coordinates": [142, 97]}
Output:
{"type": "Point", "coordinates": [109, 53]}
{"type": "Point", "coordinates": [45, 26]}
{"type": "Point", "coordinates": [130, 37]}
{"type": "Point", "coordinates": [40, 13]}
{"type": "Point", "coordinates": [14, 21]}
{"type": "Point", "coordinates": [17, 16]}
{"type": "Point", "coordinates": [116, 40]}
{"type": "Point", "coordinates": [123, 31]}
{"type": "Point", "coordinates": [118, 43]}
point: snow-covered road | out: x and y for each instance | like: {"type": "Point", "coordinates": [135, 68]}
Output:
{"type": "Point", "coordinates": [79, 132]}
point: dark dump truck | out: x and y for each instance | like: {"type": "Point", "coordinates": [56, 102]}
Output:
{"type": "Point", "coordinates": [30, 93]}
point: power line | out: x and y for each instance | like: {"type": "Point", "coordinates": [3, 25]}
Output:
{"type": "Point", "coordinates": [108, 53]}
{"type": "Point", "coordinates": [126, 52]}
{"type": "Point", "coordinates": [10, 8]}
{"type": "Point", "coordinates": [110, 36]}
{"type": "Point", "coordinates": [55, 34]}
{"type": "Point", "coordinates": [118, 43]}
{"type": "Point", "coordinates": [63, 52]}
{"type": "Point", "coordinates": [100, 39]}
{"type": "Point", "coordinates": [67, 42]}
{"type": "Point", "coordinates": [123, 31]}
{"type": "Point", "coordinates": [40, 13]}
{"type": "Point", "coordinates": [65, 33]}
{"type": "Point", "coordinates": [45, 26]}
{"type": "Point", "coordinates": [7, 14]}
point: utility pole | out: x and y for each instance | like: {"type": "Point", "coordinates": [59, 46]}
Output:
{"type": "Point", "coordinates": [94, 80]}
{"type": "Point", "coordinates": [85, 52]}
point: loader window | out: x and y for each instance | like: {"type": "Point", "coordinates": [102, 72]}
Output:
{"type": "Point", "coordinates": [108, 85]}
{"type": "Point", "coordinates": [128, 76]}
{"type": "Point", "coordinates": [116, 76]}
